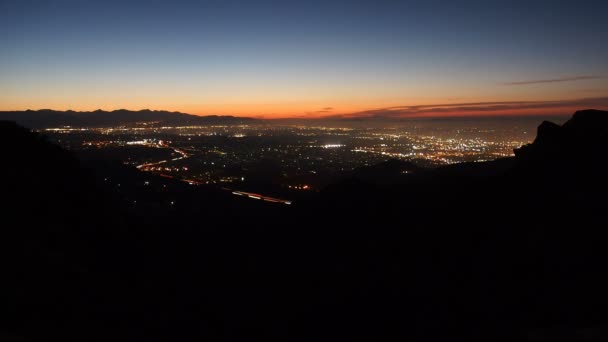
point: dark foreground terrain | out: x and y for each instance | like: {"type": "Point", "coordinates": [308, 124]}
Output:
{"type": "Point", "coordinates": [509, 250]}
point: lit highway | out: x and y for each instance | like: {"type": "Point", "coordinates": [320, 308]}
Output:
{"type": "Point", "coordinates": [183, 155]}
{"type": "Point", "coordinates": [259, 197]}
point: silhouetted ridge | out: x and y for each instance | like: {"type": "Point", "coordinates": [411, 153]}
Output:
{"type": "Point", "coordinates": [561, 159]}
{"type": "Point", "coordinates": [588, 120]}
{"type": "Point", "coordinates": [22, 149]}
{"type": "Point", "coordinates": [81, 244]}
{"type": "Point", "coordinates": [547, 132]}
{"type": "Point", "coordinates": [508, 250]}
{"type": "Point", "coordinates": [583, 137]}
{"type": "Point", "coordinates": [49, 118]}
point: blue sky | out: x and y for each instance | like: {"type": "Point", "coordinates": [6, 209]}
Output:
{"type": "Point", "coordinates": [290, 58]}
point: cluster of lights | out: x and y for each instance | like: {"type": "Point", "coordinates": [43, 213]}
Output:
{"type": "Point", "coordinates": [306, 154]}
{"type": "Point", "coordinates": [299, 187]}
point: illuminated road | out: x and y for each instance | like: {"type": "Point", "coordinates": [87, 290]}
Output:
{"type": "Point", "coordinates": [183, 155]}
{"type": "Point", "coordinates": [259, 197]}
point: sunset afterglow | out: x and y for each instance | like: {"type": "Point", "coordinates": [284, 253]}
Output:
{"type": "Point", "coordinates": [302, 59]}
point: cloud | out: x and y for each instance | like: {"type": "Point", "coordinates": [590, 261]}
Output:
{"type": "Point", "coordinates": [555, 80]}
{"type": "Point", "coordinates": [325, 110]}
{"type": "Point", "coordinates": [478, 108]}
{"type": "Point", "coordinates": [316, 113]}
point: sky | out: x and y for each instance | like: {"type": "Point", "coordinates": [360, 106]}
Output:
{"type": "Point", "coordinates": [305, 59]}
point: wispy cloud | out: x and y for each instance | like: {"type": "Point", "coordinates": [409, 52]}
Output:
{"type": "Point", "coordinates": [555, 80]}
{"type": "Point", "coordinates": [325, 110]}
{"type": "Point", "coordinates": [475, 108]}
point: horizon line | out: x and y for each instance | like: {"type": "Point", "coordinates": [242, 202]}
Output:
{"type": "Point", "coordinates": [436, 110]}
{"type": "Point", "coordinates": [344, 117]}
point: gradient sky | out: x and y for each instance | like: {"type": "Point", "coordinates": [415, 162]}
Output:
{"type": "Point", "coordinates": [305, 58]}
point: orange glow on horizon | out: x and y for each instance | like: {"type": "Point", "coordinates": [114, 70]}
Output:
{"type": "Point", "coordinates": [354, 109]}
{"type": "Point", "coordinates": [319, 112]}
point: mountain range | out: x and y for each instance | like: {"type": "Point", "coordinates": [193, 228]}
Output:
{"type": "Point", "coordinates": [47, 118]}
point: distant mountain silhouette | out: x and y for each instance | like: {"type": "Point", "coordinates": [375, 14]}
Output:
{"type": "Point", "coordinates": [508, 250]}
{"type": "Point", "coordinates": [49, 118]}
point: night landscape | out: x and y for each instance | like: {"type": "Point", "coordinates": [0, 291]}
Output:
{"type": "Point", "coordinates": [300, 171]}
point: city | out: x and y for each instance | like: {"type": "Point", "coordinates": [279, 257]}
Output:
{"type": "Point", "coordinates": [295, 171]}
{"type": "Point", "coordinates": [287, 160]}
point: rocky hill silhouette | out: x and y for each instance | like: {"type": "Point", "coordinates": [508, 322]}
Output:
{"type": "Point", "coordinates": [574, 150]}
{"type": "Point", "coordinates": [50, 118]}
{"type": "Point", "coordinates": [586, 131]}
{"type": "Point", "coordinates": [566, 155]}
{"type": "Point", "coordinates": [509, 250]}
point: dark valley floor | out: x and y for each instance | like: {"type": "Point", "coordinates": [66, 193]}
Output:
{"type": "Point", "coordinates": [508, 250]}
